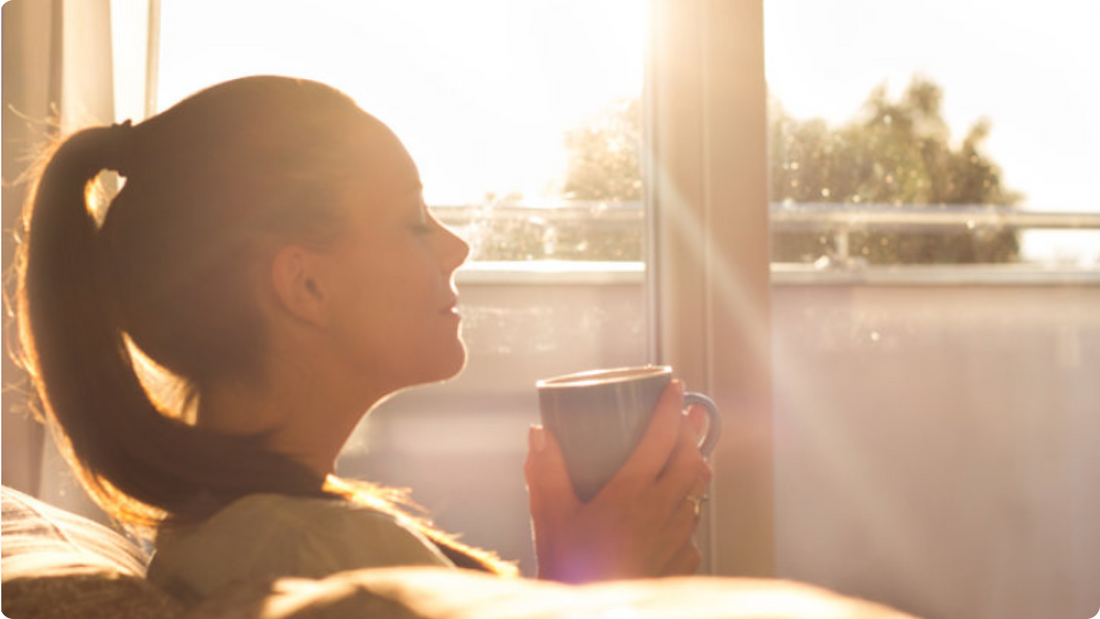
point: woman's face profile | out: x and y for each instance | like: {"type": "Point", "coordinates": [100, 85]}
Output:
{"type": "Point", "coordinates": [394, 300]}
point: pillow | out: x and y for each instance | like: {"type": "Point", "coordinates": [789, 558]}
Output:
{"type": "Point", "coordinates": [54, 564]}
{"type": "Point", "coordinates": [39, 539]}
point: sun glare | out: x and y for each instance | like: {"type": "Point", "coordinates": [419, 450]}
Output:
{"type": "Point", "coordinates": [481, 92]}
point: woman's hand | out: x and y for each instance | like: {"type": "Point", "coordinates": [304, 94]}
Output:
{"type": "Point", "coordinates": [641, 524]}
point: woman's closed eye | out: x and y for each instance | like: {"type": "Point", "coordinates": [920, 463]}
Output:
{"type": "Point", "coordinates": [422, 227]}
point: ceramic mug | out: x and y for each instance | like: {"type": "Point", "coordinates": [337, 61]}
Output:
{"type": "Point", "coordinates": [599, 417]}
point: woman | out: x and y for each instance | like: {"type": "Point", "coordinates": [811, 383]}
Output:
{"type": "Point", "coordinates": [270, 252]}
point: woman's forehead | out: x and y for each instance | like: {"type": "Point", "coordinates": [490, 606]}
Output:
{"type": "Point", "coordinates": [386, 163]}
{"type": "Point", "coordinates": [379, 166]}
{"type": "Point", "coordinates": [369, 202]}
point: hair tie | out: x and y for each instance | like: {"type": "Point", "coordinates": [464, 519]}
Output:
{"type": "Point", "coordinates": [120, 147]}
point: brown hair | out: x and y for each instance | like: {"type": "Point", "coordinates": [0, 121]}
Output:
{"type": "Point", "coordinates": [170, 272]}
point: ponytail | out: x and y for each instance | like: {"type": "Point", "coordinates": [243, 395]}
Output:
{"type": "Point", "coordinates": [137, 462]}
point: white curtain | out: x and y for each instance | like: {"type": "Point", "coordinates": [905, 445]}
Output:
{"type": "Point", "coordinates": [59, 70]}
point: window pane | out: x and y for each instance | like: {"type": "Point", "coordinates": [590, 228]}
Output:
{"type": "Point", "coordinates": [936, 234]}
{"type": "Point", "coordinates": [933, 133]}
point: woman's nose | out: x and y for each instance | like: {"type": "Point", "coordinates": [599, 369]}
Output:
{"type": "Point", "coordinates": [454, 250]}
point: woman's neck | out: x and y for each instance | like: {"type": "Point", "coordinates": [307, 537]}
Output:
{"type": "Point", "coordinates": [301, 416]}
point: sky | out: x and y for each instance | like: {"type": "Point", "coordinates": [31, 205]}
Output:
{"type": "Point", "coordinates": [482, 91]}
{"type": "Point", "coordinates": [1030, 68]}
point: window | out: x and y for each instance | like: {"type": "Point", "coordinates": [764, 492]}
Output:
{"type": "Point", "coordinates": [936, 237]}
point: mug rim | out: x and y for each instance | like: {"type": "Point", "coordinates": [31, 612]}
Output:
{"type": "Point", "coordinates": [604, 376]}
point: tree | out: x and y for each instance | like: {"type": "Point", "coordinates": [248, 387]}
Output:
{"type": "Point", "coordinates": [892, 153]}
{"type": "Point", "coordinates": [604, 156]}
{"type": "Point", "coordinates": [602, 170]}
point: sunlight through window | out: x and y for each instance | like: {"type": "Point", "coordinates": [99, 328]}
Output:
{"type": "Point", "coordinates": [482, 93]}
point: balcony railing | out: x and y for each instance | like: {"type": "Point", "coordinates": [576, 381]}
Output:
{"type": "Point", "coordinates": [812, 243]}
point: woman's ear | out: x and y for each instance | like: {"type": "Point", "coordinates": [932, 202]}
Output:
{"type": "Point", "coordinates": [297, 278]}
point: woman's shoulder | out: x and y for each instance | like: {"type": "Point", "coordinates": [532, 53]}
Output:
{"type": "Point", "coordinates": [289, 510]}
{"type": "Point", "coordinates": [277, 535]}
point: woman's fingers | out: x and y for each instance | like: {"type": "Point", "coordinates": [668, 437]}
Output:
{"type": "Point", "coordinates": [559, 534]}
{"type": "Point", "coordinates": [548, 480]}
{"type": "Point", "coordinates": [685, 562]}
{"type": "Point", "coordinates": [677, 494]}
{"type": "Point", "coordinates": [688, 472]}
{"type": "Point", "coordinates": [652, 453]}
{"type": "Point", "coordinates": [686, 500]}
{"type": "Point", "coordinates": [697, 417]}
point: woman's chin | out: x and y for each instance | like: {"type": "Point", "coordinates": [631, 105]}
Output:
{"type": "Point", "coordinates": [456, 362]}
{"type": "Point", "coordinates": [446, 364]}
{"type": "Point", "coordinates": [435, 365]}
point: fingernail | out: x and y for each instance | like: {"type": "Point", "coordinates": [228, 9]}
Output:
{"type": "Point", "coordinates": [536, 440]}
{"type": "Point", "coordinates": [679, 386]}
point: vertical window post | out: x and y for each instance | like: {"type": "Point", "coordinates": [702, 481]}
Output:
{"type": "Point", "coordinates": [709, 261]}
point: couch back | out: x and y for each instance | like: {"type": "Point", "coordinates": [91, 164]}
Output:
{"type": "Point", "coordinates": [54, 564]}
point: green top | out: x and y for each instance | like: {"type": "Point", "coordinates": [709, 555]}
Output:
{"type": "Point", "coordinates": [273, 535]}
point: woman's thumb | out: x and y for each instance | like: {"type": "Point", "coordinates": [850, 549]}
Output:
{"type": "Point", "coordinates": [547, 478]}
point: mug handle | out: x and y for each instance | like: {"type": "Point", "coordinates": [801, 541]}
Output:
{"type": "Point", "coordinates": [714, 425]}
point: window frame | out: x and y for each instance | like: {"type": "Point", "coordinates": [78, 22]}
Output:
{"type": "Point", "coordinates": [707, 193]}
